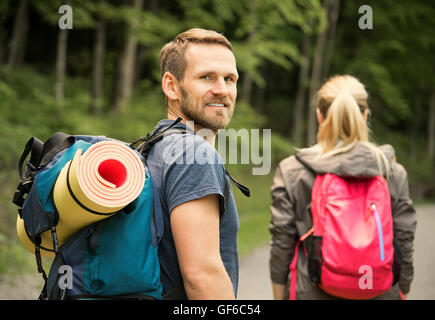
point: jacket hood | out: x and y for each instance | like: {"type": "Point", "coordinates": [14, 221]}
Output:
{"type": "Point", "coordinates": [357, 162]}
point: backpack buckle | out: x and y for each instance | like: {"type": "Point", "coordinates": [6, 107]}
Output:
{"type": "Point", "coordinates": [25, 186]}
{"type": "Point", "coordinates": [307, 234]}
{"type": "Point", "coordinates": [22, 189]}
{"type": "Point", "coordinates": [54, 239]}
{"type": "Point", "coordinates": [30, 166]}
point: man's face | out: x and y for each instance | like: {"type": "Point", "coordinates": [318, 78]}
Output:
{"type": "Point", "coordinates": [208, 89]}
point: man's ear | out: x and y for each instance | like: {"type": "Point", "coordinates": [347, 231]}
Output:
{"type": "Point", "coordinates": [170, 86]}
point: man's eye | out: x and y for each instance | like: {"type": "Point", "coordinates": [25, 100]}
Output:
{"type": "Point", "coordinates": [228, 79]}
{"type": "Point", "coordinates": [205, 77]}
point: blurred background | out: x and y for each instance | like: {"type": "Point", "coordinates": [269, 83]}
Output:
{"type": "Point", "coordinates": [102, 77]}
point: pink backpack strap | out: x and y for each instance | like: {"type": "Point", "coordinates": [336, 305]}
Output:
{"type": "Point", "coordinates": [293, 272]}
{"type": "Point", "coordinates": [402, 297]}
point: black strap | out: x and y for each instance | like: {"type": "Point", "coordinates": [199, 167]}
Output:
{"type": "Point", "coordinates": [33, 146]}
{"type": "Point", "coordinates": [244, 189]}
{"type": "Point", "coordinates": [22, 189]}
{"type": "Point", "coordinates": [40, 155]}
{"type": "Point", "coordinates": [43, 295]}
{"type": "Point", "coordinates": [149, 136]}
{"type": "Point", "coordinates": [56, 143]}
{"type": "Point", "coordinates": [151, 139]}
{"type": "Point", "coordinates": [146, 146]}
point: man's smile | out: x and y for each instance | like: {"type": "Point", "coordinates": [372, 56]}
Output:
{"type": "Point", "coordinates": [216, 105]}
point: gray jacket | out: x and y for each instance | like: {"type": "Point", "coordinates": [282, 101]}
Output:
{"type": "Point", "coordinates": [291, 195]}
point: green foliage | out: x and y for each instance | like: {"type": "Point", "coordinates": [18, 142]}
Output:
{"type": "Point", "coordinates": [22, 117]}
{"type": "Point", "coordinates": [394, 61]}
{"type": "Point", "coordinates": [13, 257]}
{"type": "Point", "coordinates": [256, 28]}
{"type": "Point", "coordinates": [254, 212]}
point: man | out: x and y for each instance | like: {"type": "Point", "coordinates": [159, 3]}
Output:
{"type": "Point", "coordinates": [198, 250]}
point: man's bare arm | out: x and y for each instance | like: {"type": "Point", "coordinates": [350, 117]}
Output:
{"type": "Point", "coordinates": [195, 228]}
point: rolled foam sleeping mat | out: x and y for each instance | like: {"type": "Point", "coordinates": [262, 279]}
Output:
{"type": "Point", "coordinates": [91, 187]}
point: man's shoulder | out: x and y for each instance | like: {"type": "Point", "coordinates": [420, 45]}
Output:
{"type": "Point", "coordinates": [191, 169]}
{"type": "Point", "coordinates": [192, 148]}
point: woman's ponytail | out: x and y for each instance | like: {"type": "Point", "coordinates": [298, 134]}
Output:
{"type": "Point", "coordinates": [344, 124]}
{"type": "Point", "coordinates": [342, 101]}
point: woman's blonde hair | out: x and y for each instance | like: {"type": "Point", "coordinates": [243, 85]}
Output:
{"type": "Point", "coordinates": [342, 101]}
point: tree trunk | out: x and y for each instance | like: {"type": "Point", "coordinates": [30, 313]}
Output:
{"type": "Point", "coordinates": [2, 51]}
{"type": "Point", "coordinates": [259, 99]}
{"type": "Point", "coordinates": [124, 86]}
{"type": "Point", "coordinates": [19, 35]}
{"type": "Point", "coordinates": [246, 88]}
{"type": "Point", "coordinates": [98, 72]}
{"type": "Point", "coordinates": [247, 79]}
{"type": "Point", "coordinates": [333, 17]}
{"type": "Point", "coordinates": [298, 112]}
{"type": "Point", "coordinates": [431, 127]}
{"type": "Point", "coordinates": [153, 5]}
{"type": "Point", "coordinates": [316, 74]}
{"type": "Point", "coordinates": [140, 51]}
{"type": "Point", "coordinates": [62, 42]}
{"type": "Point", "coordinates": [415, 127]}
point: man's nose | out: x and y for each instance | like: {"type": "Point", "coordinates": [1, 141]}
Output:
{"type": "Point", "coordinates": [220, 87]}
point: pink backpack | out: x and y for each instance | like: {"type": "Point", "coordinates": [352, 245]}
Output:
{"type": "Point", "coordinates": [350, 247]}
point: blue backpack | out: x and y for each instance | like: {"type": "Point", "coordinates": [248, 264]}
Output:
{"type": "Point", "coordinates": [113, 258]}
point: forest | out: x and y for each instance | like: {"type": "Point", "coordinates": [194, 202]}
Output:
{"type": "Point", "coordinates": [101, 76]}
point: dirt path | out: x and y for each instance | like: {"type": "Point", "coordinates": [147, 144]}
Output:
{"type": "Point", "coordinates": [20, 287]}
{"type": "Point", "coordinates": [254, 269]}
{"type": "Point", "coordinates": [254, 281]}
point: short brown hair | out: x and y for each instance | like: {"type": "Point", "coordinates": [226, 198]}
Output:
{"type": "Point", "coordinates": [172, 54]}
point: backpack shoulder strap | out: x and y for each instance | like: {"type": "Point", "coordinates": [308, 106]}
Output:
{"type": "Point", "coordinates": [150, 140]}
{"type": "Point", "coordinates": [244, 189]}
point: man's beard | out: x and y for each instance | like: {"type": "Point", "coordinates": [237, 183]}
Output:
{"type": "Point", "coordinates": [197, 113]}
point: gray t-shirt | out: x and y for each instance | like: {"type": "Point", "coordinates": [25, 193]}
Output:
{"type": "Point", "coordinates": [184, 167]}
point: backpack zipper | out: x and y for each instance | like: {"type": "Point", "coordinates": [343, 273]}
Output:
{"type": "Point", "coordinates": [380, 232]}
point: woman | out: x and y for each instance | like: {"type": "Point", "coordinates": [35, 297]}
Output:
{"type": "Point", "coordinates": [342, 148]}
